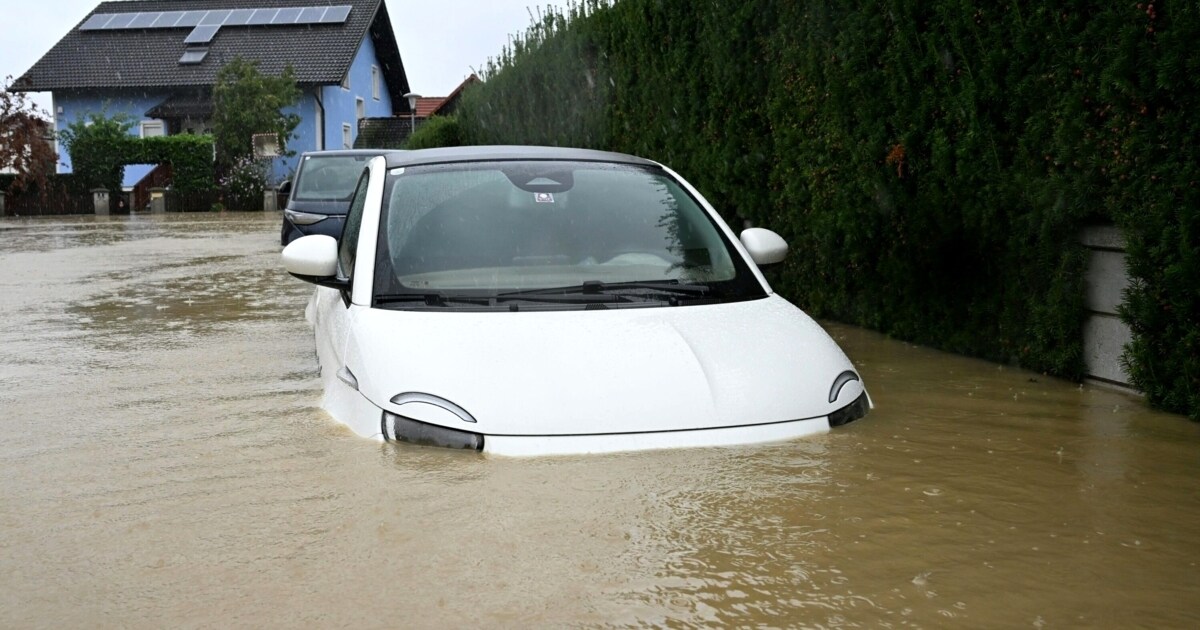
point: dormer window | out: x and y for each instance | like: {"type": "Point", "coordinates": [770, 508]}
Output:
{"type": "Point", "coordinates": [193, 56]}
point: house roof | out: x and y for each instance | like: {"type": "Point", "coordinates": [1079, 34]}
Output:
{"type": "Point", "coordinates": [426, 105]}
{"type": "Point", "coordinates": [450, 103]}
{"type": "Point", "coordinates": [320, 54]}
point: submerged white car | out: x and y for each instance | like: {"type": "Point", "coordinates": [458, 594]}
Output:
{"type": "Point", "coordinates": [541, 301]}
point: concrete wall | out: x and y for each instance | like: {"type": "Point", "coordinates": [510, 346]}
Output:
{"type": "Point", "coordinates": [1104, 334]}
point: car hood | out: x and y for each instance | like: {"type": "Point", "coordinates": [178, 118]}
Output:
{"type": "Point", "coordinates": [601, 371]}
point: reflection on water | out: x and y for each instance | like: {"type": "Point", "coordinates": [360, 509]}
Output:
{"type": "Point", "coordinates": [165, 462]}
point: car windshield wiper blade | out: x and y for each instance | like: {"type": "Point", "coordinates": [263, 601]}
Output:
{"type": "Point", "coordinates": [595, 287]}
{"type": "Point", "coordinates": [430, 299]}
{"type": "Point", "coordinates": [442, 299]}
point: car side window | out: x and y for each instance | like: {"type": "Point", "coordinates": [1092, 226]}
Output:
{"type": "Point", "coordinates": [348, 244]}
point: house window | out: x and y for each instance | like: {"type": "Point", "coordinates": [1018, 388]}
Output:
{"type": "Point", "coordinates": [347, 136]}
{"type": "Point", "coordinates": [153, 128]}
{"type": "Point", "coordinates": [319, 120]}
{"type": "Point", "coordinates": [346, 81]}
{"type": "Point", "coordinates": [375, 82]}
{"type": "Point", "coordinates": [360, 109]}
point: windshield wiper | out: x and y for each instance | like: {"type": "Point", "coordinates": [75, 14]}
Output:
{"type": "Point", "coordinates": [431, 299]}
{"type": "Point", "coordinates": [596, 287]}
{"type": "Point", "coordinates": [442, 299]}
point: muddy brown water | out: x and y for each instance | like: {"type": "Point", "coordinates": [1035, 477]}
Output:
{"type": "Point", "coordinates": [165, 463]}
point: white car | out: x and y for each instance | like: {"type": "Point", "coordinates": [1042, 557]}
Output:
{"type": "Point", "coordinates": [546, 301]}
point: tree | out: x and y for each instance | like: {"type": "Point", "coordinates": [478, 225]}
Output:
{"type": "Point", "coordinates": [98, 144]}
{"type": "Point", "coordinates": [24, 145]}
{"type": "Point", "coordinates": [246, 102]}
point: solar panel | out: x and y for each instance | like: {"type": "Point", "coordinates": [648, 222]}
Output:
{"type": "Point", "coordinates": [202, 34]}
{"type": "Point", "coordinates": [262, 17]}
{"type": "Point", "coordinates": [206, 24]}
{"type": "Point", "coordinates": [190, 18]}
{"type": "Point", "coordinates": [168, 19]}
{"type": "Point", "coordinates": [193, 56]}
{"type": "Point", "coordinates": [287, 16]}
{"type": "Point", "coordinates": [96, 22]}
{"type": "Point", "coordinates": [215, 18]}
{"type": "Point", "coordinates": [336, 15]}
{"type": "Point", "coordinates": [120, 20]}
{"type": "Point", "coordinates": [143, 20]}
{"type": "Point", "coordinates": [239, 17]}
{"type": "Point", "coordinates": [311, 15]}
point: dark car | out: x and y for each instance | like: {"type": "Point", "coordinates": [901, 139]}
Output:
{"type": "Point", "coordinates": [320, 194]}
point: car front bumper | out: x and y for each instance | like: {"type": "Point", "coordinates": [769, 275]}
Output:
{"type": "Point", "coordinates": [394, 428]}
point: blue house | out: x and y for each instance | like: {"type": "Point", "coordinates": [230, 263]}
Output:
{"type": "Point", "coordinates": [157, 61]}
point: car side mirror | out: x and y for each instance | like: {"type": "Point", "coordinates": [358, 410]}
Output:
{"type": "Point", "coordinates": [285, 187]}
{"type": "Point", "coordinates": [314, 258]}
{"type": "Point", "coordinates": [765, 247]}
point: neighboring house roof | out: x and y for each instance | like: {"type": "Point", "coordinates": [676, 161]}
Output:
{"type": "Point", "coordinates": [426, 105]}
{"type": "Point", "coordinates": [450, 103]}
{"type": "Point", "coordinates": [319, 54]}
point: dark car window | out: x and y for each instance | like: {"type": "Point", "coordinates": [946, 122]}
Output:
{"type": "Point", "coordinates": [348, 245]}
{"type": "Point", "coordinates": [328, 178]}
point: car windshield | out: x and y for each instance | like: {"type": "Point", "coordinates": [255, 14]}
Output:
{"type": "Point", "coordinates": [526, 229]}
{"type": "Point", "coordinates": [328, 177]}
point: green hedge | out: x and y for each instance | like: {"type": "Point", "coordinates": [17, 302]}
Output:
{"type": "Point", "coordinates": [438, 131]}
{"type": "Point", "coordinates": [190, 156]}
{"type": "Point", "coordinates": [100, 146]}
{"type": "Point", "coordinates": [931, 162]}
{"type": "Point", "coordinates": [70, 183]}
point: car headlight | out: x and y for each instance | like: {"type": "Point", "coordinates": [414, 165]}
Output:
{"type": "Point", "coordinates": [401, 429]}
{"type": "Point", "coordinates": [851, 412]}
{"type": "Point", "coordinates": [856, 409]}
{"type": "Point", "coordinates": [304, 218]}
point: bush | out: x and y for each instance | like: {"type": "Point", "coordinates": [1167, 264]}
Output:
{"type": "Point", "coordinates": [438, 131]}
{"type": "Point", "coordinates": [244, 184]}
{"type": "Point", "coordinates": [97, 144]}
{"type": "Point", "coordinates": [190, 157]}
{"type": "Point", "coordinates": [931, 162]}
{"type": "Point", "coordinates": [100, 146]}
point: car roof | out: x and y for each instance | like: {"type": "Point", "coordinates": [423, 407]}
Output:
{"type": "Point", "coordinates": [447, 155]}
{"type": "Point", "coordinates": [347, 152]}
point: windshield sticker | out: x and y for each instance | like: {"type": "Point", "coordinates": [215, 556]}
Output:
{"type": "Point", "coordinates": [543, 197]}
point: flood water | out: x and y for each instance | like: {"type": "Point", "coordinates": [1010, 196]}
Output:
{"type": "Point", "coordinates": [165, 463]}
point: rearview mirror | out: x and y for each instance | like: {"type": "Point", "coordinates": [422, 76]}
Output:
{"type": "Point", "coordinates": [285, 187]}
{"type": "Point", "coordinates": [314, 258]}
{"type": "Point", "coordinates": [765, 247]}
